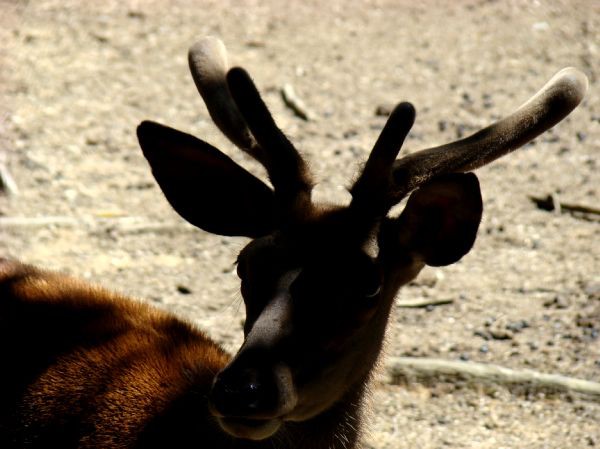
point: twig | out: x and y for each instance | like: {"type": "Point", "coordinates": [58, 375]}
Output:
{"type": "Point", "coordinates": [125, 225]}
{"type": "Point", "coordinates": [417, 303]}
{"type": "Point", "coordinates": [16, 222]}
{"type": "Point", "coordinates": [551, 203]}
{"type": "Point", "coordinates": [292, 101]}
{"type": "Point", "coordinates": [7, 182]}
{"type": "Point", "coordinates": [409, 368]}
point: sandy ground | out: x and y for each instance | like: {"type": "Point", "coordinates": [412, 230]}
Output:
{"type": "Point", "coordinates": [78, 76]}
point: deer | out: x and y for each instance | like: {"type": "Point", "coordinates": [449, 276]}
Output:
{"type": "Point", "coordinates": [85, 367]}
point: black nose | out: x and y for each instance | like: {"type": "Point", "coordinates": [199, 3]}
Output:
{"type": "Point", "coordinates": [244, 392]}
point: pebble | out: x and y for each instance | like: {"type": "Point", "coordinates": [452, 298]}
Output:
{"type": "Point", "coordinates": [585, 321]}
{"type": "Point", "coordinates": [592, 291]}
{"type": "Point", "coordinates": [517, 326]}
{"type": "Point", "coordinates": [383, 110]}
{"type": "Point", "coordinates": [501, 334]}
{"type": "Point", "coordinates": [558, 302]}
{"type": "Point", "coordinates": [184, 290]}
{"type": "Point", "coordinates": [349, 133]}
{"type": "Point", "coordinates": [443, 420]}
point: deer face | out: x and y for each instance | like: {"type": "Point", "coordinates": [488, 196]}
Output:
{"type": "Point", "coordinates": [317, 302]}
{"type": "Point", "coordinates": [318, 282]}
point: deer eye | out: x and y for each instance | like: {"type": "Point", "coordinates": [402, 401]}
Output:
{"type": "Point", "coordinates": [371, 281]}
{"type": "Point", "coordinates": [372, 286]}
{"type": "Point", "coordinates": [376, 289]}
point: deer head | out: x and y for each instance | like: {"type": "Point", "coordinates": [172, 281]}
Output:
{"type": "Point", "coordinates": [317, 296]}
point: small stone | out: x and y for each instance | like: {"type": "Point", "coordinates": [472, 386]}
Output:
{"type": "Point", "coordinates": [585, 321]}
{"type": "Point", "coordinates": [443, 420]}
{"type": "Point", "coordinates": [484, 349]}
{"type": "Point", "coordinates": [592, 291]}
{"type": "Point", "coordinates": [483, 334]}
{"type": "Point", "coordinates": [501, 334]}
{"type": "Point", "coordinates": [558, 302]}
{"type": "Point", "coordinates": [349, 133]}
{"type": "Point", "coordinates": [517, 326]}
{"type": "Point", "coordinates": [184, 290]}
{"type": "Point", "coordinates": [92, 140]}
{"type": "Point", "coordinates": [384, 110]}
{"type": "Point", "coordinates": [487, 101]}
{"type": "Point", "coordinates": [135, 14]}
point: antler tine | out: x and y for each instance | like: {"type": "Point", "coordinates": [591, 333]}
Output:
{"type": "Point", "coordinates": [546, 108]}
{"type": "Point", "coordinates": [369, 192]}
{"type": "Point", "coordinates": [286, 168]}
{"type": "Point", "coordinates": [209, 65]}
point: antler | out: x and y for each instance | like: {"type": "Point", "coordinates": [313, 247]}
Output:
{"type": "Point", "coordinates": [236, 107]}
{"type": "Point", "coordinates": [369, 192]}
{"type": "Point", "coordinates": [546, 108]}
{"type": "Point", "coordinates": [209, 66]}
{"type": "Point", "coordinates": [238, 110]}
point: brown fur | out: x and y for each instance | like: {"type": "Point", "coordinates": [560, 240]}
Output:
{"type": "Point", "coordinates": [89, 368]}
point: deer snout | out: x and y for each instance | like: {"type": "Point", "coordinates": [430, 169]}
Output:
{"type": "Point", "coordinates": [251, 402]}
{"type": "Point", "coordinates": [254, 393]}
{"type": "Point", "coordinates": [244, 393]}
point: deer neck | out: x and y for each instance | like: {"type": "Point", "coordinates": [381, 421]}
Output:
{"type": "Point", "coordinates": [339, 427]}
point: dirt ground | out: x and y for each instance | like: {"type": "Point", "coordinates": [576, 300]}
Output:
{"type": "Point", "coordinates": [78, 76]}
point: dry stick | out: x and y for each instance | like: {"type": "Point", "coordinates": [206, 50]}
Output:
{"type": "Point", "coordinates": [417, 303]}
{"type": "Point", "coordinates": [18, 222]}
{"type": "Point", "coordinates": [292, 101]}
{"type": "Point", "coordinates": [121, 224]}
{"type": "Point", "coordinates": [7, 182]}
{"type": "Point", "coordinates": [430, 368]}
{"type": "Point", "coordinates": [550, 203]}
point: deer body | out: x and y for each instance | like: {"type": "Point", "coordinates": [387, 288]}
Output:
{"type": "Point", "coordinates": [87, 368]}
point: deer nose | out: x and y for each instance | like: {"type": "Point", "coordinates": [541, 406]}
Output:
{"type": "Point", "coordinates": [244, 393]}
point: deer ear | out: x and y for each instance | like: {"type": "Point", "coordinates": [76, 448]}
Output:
{"type": "Point", "coordinates": [204, 185]}
{"type": "Point", "coordinates": [440, 221]}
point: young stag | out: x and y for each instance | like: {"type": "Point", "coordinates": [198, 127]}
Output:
{"type": "Point", "coordinates": [86, 368]}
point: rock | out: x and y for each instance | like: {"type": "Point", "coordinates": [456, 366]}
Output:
{"type": "Point", "coordinates": [184, 290]}
{"type": "Point", "coordinates": [592, 291]}
{"type": "Point", "coordinates": [560, 301]}
{"type": "Point", "coordinates": [384, 110]}
{"type": "Point", "coordinates": [517, 326]}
